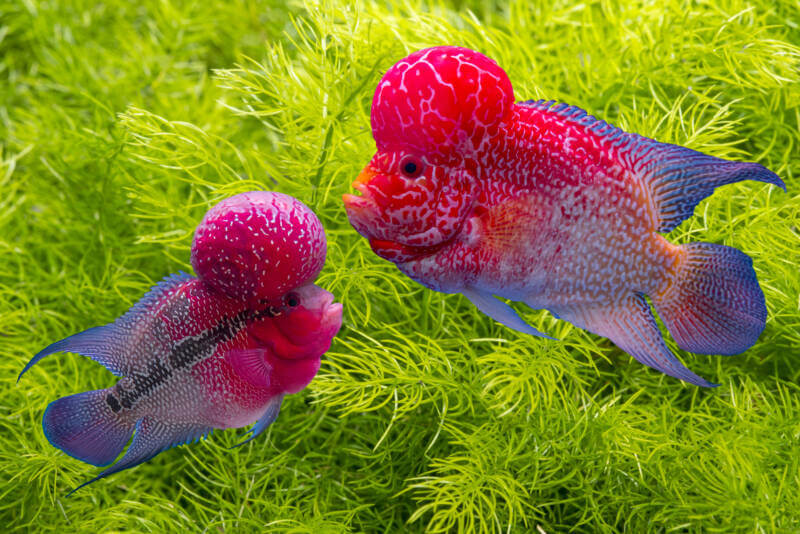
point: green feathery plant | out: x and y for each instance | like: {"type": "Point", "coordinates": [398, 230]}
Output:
{"type": "Point", "coordinates": [122, 123]}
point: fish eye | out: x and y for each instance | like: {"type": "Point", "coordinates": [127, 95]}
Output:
{"type": "Point", "coordinates": [292, 300]}
{"type": "Point", "coordinates": [411, 167]}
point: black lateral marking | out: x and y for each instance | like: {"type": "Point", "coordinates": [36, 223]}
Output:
{"type": "Point", "coordinates": [184, 354]}
{"type": "Point", "coordinates": [113, 403]}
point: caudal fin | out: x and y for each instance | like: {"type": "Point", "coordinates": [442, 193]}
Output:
{"type": "Point", "coordinates": [85, 427]}
{"type": "Point", "coordinates": [714, 304]}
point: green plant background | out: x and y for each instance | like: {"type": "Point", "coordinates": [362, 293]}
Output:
{"type": "Point", "coordinates": [122, 122]}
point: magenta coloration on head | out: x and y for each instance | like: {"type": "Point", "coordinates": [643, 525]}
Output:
{"type": "Point", "coordinates": [439, 99]}
{"type": "Point", "coordinates": [258, 245]}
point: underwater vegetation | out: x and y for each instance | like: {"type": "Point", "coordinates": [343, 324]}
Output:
{"type": "Point", "coordinates": [122, 123]}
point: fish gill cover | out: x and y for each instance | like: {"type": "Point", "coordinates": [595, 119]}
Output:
{"type": "Point", "coordinates": [122, 123]}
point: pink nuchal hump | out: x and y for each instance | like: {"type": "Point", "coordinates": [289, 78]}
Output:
{"type": "Point", "coordinates": [258, 245]}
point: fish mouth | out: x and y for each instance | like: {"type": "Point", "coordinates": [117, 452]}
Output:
{"type": "Point", "coordinates": [358, 206]}
{"type": "Point", "coordinates": [364, 206]}
{"type": "Point", "coordinates": [362, 211]}
{"type": "Point", "coordinates": [332, 316]}
{"type": "Point", "coordinates": [315, 342]}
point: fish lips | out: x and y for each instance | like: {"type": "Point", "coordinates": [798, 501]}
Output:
{"type": "Point", "coordinates": [362, 214]}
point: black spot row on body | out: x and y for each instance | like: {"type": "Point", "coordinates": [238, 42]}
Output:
{"type": "Point", "coordinates": [184, 354]}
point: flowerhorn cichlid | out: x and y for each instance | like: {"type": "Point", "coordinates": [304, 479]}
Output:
{"type": "Point", "coordinates": [539, 202]}
{"type": "Point", "coordinates": [217, 351]}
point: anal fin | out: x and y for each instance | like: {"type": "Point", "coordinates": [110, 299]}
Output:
{"type": "Point", "coordinates": [500, 311]}
{"type": "Point", "coordinates": [629, 323]}
{"type": "Point", "coordinates": [152, 437]}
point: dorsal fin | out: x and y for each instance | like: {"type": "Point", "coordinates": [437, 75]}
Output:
{"type": "Point", "coordinates": [677, 178]}
{"type": "Point", "coordinates": [104, 344]}
{"type": "Point", "coordinates": [145, 304]}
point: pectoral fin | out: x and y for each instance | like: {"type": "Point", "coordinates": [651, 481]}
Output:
{"type": "Point", "coordinates": [500, 311]}
{"type": "Point", "coordinates": [251, 365]}
{"type": "Point", "coordinates": [629, 323]}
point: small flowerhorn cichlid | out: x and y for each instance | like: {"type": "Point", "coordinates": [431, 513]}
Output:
{"type": "Point", "coordinates": [541, 203]}
{"type": "Point", "coordinates": [196, 354]}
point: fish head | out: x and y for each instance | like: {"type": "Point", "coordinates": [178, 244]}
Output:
{"type": "Point", "coordinates": [409, 206]}
{"type": "Point", "coordinates": [433, 114]}
{"type": "Point", "coordinates": [303, 327]}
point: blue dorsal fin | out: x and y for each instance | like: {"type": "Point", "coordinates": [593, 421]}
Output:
{"type": "Point", "coordinates": [104, 344]}
{"type": "Point", "coordinates": [151, 438]}
{"type": "Point", "coordinates": [629, 323]}
{"type": "Point", "coordinates": [617, 136]}
{"type": "Point", "coordinates": [677, 178]}
{"type": "Point", "coordinates": [101, 343]}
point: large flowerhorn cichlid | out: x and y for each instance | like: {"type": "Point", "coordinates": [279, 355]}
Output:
{"type": "Point", "coordinates": [217, 351]}
{"type": "Point", "coordinates": [541, 203]}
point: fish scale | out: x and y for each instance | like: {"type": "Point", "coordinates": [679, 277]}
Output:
{"type": "Point", "coordinates": [555, 208]}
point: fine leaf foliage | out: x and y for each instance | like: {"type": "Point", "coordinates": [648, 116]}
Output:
{"type": "Point", "coordinates": [122, 123]}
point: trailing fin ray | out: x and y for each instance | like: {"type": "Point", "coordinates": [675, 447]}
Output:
{"type": "Point", "coordinates": [629, 323]}
{"type": "Point", "coordinates": [104, 344]}
{"type": "Point", "coordinates": [677, 178]}
{"type": "Point", "coordinates": [101, 343]}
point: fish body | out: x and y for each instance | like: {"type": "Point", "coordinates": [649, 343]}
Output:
{"type": "Point", "coordinates": [541, 203]}
{"type": "Point", "coordinates": [189, 360]}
